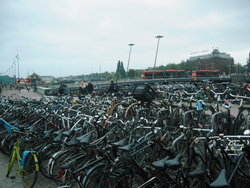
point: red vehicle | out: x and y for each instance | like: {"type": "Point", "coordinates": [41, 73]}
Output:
{"type": "Point", "coordinates": [163, 74]}
{"type": "Point", "coordinates": [205, 73]}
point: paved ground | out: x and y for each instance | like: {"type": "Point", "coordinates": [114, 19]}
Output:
{"type": "Point", "coordinates": [42, 182]}
{"type": "Point", "coordinates": [23, 93]}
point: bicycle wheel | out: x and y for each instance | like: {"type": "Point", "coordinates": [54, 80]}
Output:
{"type": "Point", "coordinates": [7, 144]}
{"type": "Point", "coordinates": [130, 112]}
{"type": "Point", "coordinates": [242, 176]}
{"type": "Point", "coordinates": [177, 117]}
{"type": "Point", "coordinates": [30, 170]}
{"type": "Point", "coordinates": [127, 179]}
{"type": "Point", "coordinates": [94, 177]}
{"type": "Point", "coordinates": [44, 157]}
{"type": "Point", "coordinates": [240, 122]}
{"type": "Point", "coordinates": [11, 162]}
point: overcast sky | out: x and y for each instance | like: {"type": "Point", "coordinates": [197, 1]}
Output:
{"type": "Point", "coordinates": [73, 37]}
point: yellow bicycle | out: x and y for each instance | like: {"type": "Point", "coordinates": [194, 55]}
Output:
{"type": "Point", "coordinates": [27, 161]}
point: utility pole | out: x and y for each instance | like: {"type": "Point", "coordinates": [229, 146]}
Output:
{"type": "Point", "coordinates": [158, 37]}
{"type": "Point", "coordinates": [18, 73]}
{"type": "Point", "coordinates": [131, 45]}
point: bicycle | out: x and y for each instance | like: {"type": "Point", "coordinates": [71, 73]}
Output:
{"type": "Point", "coordinates": [27, 163]}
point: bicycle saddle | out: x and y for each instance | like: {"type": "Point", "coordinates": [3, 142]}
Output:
{"type": "Point", "coordinates": [31, 128]}
{"type": "Point", "coordinates": [47, 133]}
{"type": "Point", "coordinates": [199, 170]}
{"type": "Point", "coordinates": [58, 132]}
{"type": "Point", "coordinates": [175, 162]}
{"type": "Point", "coordinates": [68, 133]}
{"type": "Point", "coordinates": [72, 141]}
{"type": "Point", "coordinates": [160, 163]}
{"type": "Point", "coordinates": [121, 142]}
{"type": "Point", "coordinates": [221, 180]}
{"type": "Point", "coordinates": [58, 138]}
{"type": "Point", "coordinates": [127, 147]}
{"type": "Point", "coordinates": [85, 139]}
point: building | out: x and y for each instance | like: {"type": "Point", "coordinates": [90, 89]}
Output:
{"type": "Point", "coordinates": [34, 78]}
{"type": "Point", "coordinates": [247, 67]}
{"type": "Point", "coordinates": [47, 79]}
{"type": "Point", "coordinates": [215, 60]}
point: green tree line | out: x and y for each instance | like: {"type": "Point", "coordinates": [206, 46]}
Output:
{"type": "Point", "coordinates": [120, 72]}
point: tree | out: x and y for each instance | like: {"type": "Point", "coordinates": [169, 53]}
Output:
{"type": "Point", "coordinates": [131, 73]}
{"type": "Point", "coordinates": [120, 71]}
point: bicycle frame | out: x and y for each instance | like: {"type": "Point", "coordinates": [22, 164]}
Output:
{"type": "Point", "coordinates": [21, 160]}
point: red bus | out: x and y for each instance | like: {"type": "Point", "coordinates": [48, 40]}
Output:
{"type": "Point", "coordinates": [163, 74]}
{"type": "Point", "coordinates": [205, 73]}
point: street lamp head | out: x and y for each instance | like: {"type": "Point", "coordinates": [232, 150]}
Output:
{"type": "Point", "coordinates": [159, 36]}
{"type": "Point", "coordinates": [131, 44]}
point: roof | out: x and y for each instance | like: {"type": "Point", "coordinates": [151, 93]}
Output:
{"type": "Point", "coordinates": [206, 71]}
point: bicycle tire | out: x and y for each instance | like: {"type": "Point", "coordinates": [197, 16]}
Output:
{"type": "Point", "coordinates": [7, 144]}
{"type": "Point", "coordinates": [177, 117]}
{"type": "Point", "coordinates": [94, 177]}
{"type": "Point", "coordinates": [30, 170]}
{"type": "Point", "coordinates": [239, 124]}
{"type": "Point", "coordinates": [56, 172]}
{"type": "Point", "coordinates": [130, 112]}
{"type": "Point", "coordinates": [44, 157]}
{"type": "Point", "coordinates": [242, 176]}
{"type": "Point", "coordinates": [127, 179]}
{"type": "Point", "coordinates": [52, 162]}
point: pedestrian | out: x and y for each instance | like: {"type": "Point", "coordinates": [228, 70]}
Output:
{"type": "Point", "coordinates": [28, 88]}
{"type": "Point", "coordinates": [112, 87]}
{"type": "Point", "coordinates": [82, 89]}
{"type": "Point", "coordinates": [245, 88]}
{"type": "Point", "coordinates": [19, 88]}
{"type": "Point", "coordinates": [90, 88]}
{"type": "Point", "coordinates": [61, 89]}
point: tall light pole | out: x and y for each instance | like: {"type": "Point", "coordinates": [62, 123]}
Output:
{"type": "Point", "coordinates": [158, 42]}
{"type": "Point", "coordinates": [18, 73]}
{"type": "Point", "coordinates": [131, 45]}
{"type": "Point", "coordinates": [14, 63]}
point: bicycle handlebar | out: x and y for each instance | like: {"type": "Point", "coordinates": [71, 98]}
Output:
{"type": "Point", "coordinates": [224, 136]}
{"type": "Point", "coordinates": [238, 96]}
{"type": "Point", "coordinates": [196, 129]}
{"type": "Point", "coordinates": [218, 94]}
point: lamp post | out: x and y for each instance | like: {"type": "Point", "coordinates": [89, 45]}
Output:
{"type": "Point", "coordinates": [131, 45]}
{"type": "Point", "coordinates": [158, 42]}
{"type": "Point", "coordinates": [18, 73]}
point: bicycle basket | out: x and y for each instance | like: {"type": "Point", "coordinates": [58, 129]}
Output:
{"type": "Point", "coordinates": [143, 92]}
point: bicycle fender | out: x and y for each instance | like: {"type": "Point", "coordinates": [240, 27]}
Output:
{"type": "Point", "coordinates": [25, 154]}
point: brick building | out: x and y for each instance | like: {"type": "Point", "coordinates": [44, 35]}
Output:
{"type": "Point", "coordinates": [215, 60]}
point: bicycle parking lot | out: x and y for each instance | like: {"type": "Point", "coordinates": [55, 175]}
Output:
{"type": "Point", "coordinates": [147, 125]}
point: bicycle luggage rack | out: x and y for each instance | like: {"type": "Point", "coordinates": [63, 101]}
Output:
{"type": "Point", "coordinates": [144, 93]}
